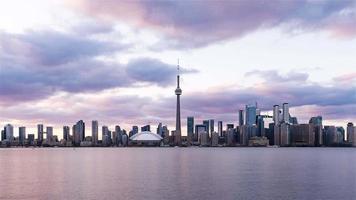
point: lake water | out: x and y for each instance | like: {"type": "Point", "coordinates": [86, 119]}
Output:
{"type": "Point", "coordinates": [178, 173]}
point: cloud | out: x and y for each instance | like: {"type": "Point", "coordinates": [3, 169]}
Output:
{"type": "Point", "coordinates": [272, 75]}
{"type": "Point", "coordinates": [36, 65]}
{"type": "Point", "coordinates": [153, 71]}
{"type": "Point", "coordinates": [189, 24]}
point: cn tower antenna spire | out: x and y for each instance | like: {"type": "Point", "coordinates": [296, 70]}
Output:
{"type": "Point", "coordinates": [178, 92]}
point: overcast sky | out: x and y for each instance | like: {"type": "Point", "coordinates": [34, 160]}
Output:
{"type": "Point", "coordinates": [115, 61]}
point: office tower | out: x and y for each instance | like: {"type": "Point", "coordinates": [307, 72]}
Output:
{"type": "Point", "coordinates": [199, 128]}
{"type": "Point", "coordinates": [243, 135]}
{"type": "Point", "coordinates": [9, 132]}
{"type": "Point", "coordinates": [204, 139]}
{"type": "Point", "coordinates": [22, 135]}
{"type": "Point", "coordinates": [284, 132]}
{"type": "Point", "coordinates": [105, 135]}
{"type": "Point", "coordinates": [178, 92]}
{"type": "Point", "coordinates": [206, 123]}
{"type": "Point", "coordinates": [214, 139]}
{"type": "Point", "coordinates": [241, 117]}
{"type": "Point", "coordinates": [318, 120]}
{"type": "Point", "coordinates": [340, 134]}
{"type": "Point", "coordinates": [250, 115]}
{"type": "Point", "coordinates": [230, 137]}
{"type": "Point", "coordinates": [260, 126]}
{"type": "Point", "coordinates": [81, 129]}
{"type": "Point", "coordinates": [229, 126]}
{"type": "Point", "coordinates": [331, 135]}
{"type": "Point", "coordinates": [190, 128]}
{"type": "Point", "coordinates": [293, 120]}
{"type": "Point", "coordinates": [134, 130]}
{"type": "Point", "coordinates": [118, 135]}
{"type": "Point", "coordinates": [146, 128]}
{"type": "Point", "coordinates": [49, 133]}
{"type": "Point", "coordinates": [94, 131]}
{"type": "Point", "coordinates": [220, 128]}
{"type": "Point", "coordinates": [276, 114]}
{"type": "Point", "coordinates": [66, 133]}
{"type": "Point", "coordinates": [285, 108]}
{"type": "Point", "coordinates": [211, 123]}
{"type": "Point", "coordinates": [276, 134]}
{"type": "Point", "coordinates": [40, 133]}
{"type": "Point", "coordinates": [303, 135]}
{"type": "Point", "coordinates": [31, 139]}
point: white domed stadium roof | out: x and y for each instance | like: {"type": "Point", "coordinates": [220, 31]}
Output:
{"type": "Point", "coordinates": [146, 136]}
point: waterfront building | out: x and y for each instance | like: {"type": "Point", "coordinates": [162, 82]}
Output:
{"type": "Point", "coordinates": [276, 114]}
{"type": "Point", "coordinates": [285, 108]}
{"type": "Point", "coordinates": [146, 128]}
{"type": "Point", "coordinates": [212, 125]}
{"type": "Point", "coordinates": [303, 135]}
{"type": "Point", "coordinates": [9, 133]}
{"type": "Point", "coordinates": [244, 135]}
{"type": "Point", "coordinates": [94, 131]}
{"type": "Point", "coordinates": [258, 142]}
{"type": "Point", "coordinates": [351, 134]}
{"type": "Point", "coordinates": [31, 139]}
{"type": "Point", "coordinates": [206, 123]}
{"type": "Point", "coordinates": [241, 117]}
{"type": "Point", "coordinates": [331, 136]}
{"type": "Point", "coordinates": [146, 138]}
{"type": "Point", "coordinates": [39, 133]}
{"type": "Point", "coordinates": [229, 126]}
{"type": "Point", "coordinates": [66, 133]}
{"type": "Point", "coordinates": [284, 132]}
{"type": "Point", "coordinates": [199, 128]}
{"type": "Point", "coordinates": [190, 128]}
{"type": "Point", "coordinates": [22, 135]}
{"type": "Point", "coordinates": [220, 128]}
{"type": "Point", "coordinates": [230, 137]}
{"type": "Point", "coordinates": [250, 114]}
{"type": "Point", "coordinates": [204, 139]}
{"type": "Point", "coordinates": [105, 136]}
{"type": "Point", "coordinates": [49, 135]}
{"type": "Point", "coordinates": [214, 139]}
{"type": "Point", "coordinates": [118, 132]}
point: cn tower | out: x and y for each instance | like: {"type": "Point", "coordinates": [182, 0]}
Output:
{"type": "Point", "coordinates": [178, 92]}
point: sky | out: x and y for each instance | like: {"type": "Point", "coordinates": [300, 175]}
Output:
{"type": "Point", "coordinates": [115, 61]}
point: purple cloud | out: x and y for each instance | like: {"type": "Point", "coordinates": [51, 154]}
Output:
{"type": "Point", "coordinates": [198, 23]}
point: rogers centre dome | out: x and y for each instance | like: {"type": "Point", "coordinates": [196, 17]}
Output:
{"type": "Point", "coordinates": [146, 138]}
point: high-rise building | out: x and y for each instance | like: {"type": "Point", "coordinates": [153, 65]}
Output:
{"type": "Point", "coordinates": [105, 136]}
{"type": "Point", "coordinates": [241, 117]}
{"type": "Point", "coordinates": [318, 120]}
{"type": "Point", "coordinates": [331, 135]}
{"type": "Point", "coordinates": [22, 135]}
{"type": "Point", "coordinates": [66, 133]}
{"type": "Point", "coordinates": [49, 133]}
{"type": "Point", "coordinates": [220, 128]}
{"type": "Point", "coordinates": [260, 126]}
{"type": "Point", "coordinates": [351, 133]}
{"type": "Point", "coordinates": [199, 128]}
{"type": "Point", "coordinates": [206, 123]}
{"type": "Point", "coordinates": [211, 123]}
{"type": "Point", "coordinates": [214, 139]}
{"type": "Point", "coordinates": [303, 135]}
{"type": "Point", "coordinates": [250, 115]}
{"type": "Point", "coordinates": [79, 132]}
{"type": "Point", "coordinates": [190, 127]}
{"type": "Point", "coordinates": [285, 108]}
{"type": "Point", "coordinates": [40, 133]}
{"type": "Point", "coordinates": [276, 114]}
{"type": "Point", "coordinates": [146, 128]}
{"type": "Point", "coordinates": [229, 126]}
{"type": "Point", "coordinates": [9, 132]}
{"type": "Point", "coordinates": [284, 134]}
{"type": "Point", "coordinates": [160, 129]}
{"type": "Point", "coordinates": [178, 92]}
{"type": "Point", "coordinates": [94, 131]}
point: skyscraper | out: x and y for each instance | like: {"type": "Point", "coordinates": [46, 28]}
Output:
{"type": "Point", "coordinates": [178, 92]}
{"type": "Point", "coordinates": [276, 114]}
{"type": "Point", "coordinates": [241, 117]}
{"type": "Point", "coordinates": [251, 115]}
{"type": "Point", "coordinates": [40, 133]}
{"type": "Point", "coordinates": [49, 132]}
{"type": "Point", "coordinates": [220, 128]}
{"type": "Point", "coordinates": [190, 127]}
{"type": "Point", "coordinates": [285, 108]}
{"type": "Point", "coordinates": [66, 133]}
{"type": "Point", "coordinates": [211, 123]}
{"type": "Point", "coordinates": [94, 131]}
{"type": "Point", "coordinates": [206, 123]}
{"type": "Point", "coordinates": [79, 132]}
{"type": "Point", "coordinates": [22, 135]}
{"type": "Point", "coordinates": [9, 132]}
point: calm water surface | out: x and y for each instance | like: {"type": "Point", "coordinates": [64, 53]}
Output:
{"type": "Point", "coordinates": [178, 173]}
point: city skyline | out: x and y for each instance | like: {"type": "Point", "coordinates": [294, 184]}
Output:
{"type": "Point", "coordinates": [61, 61]}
